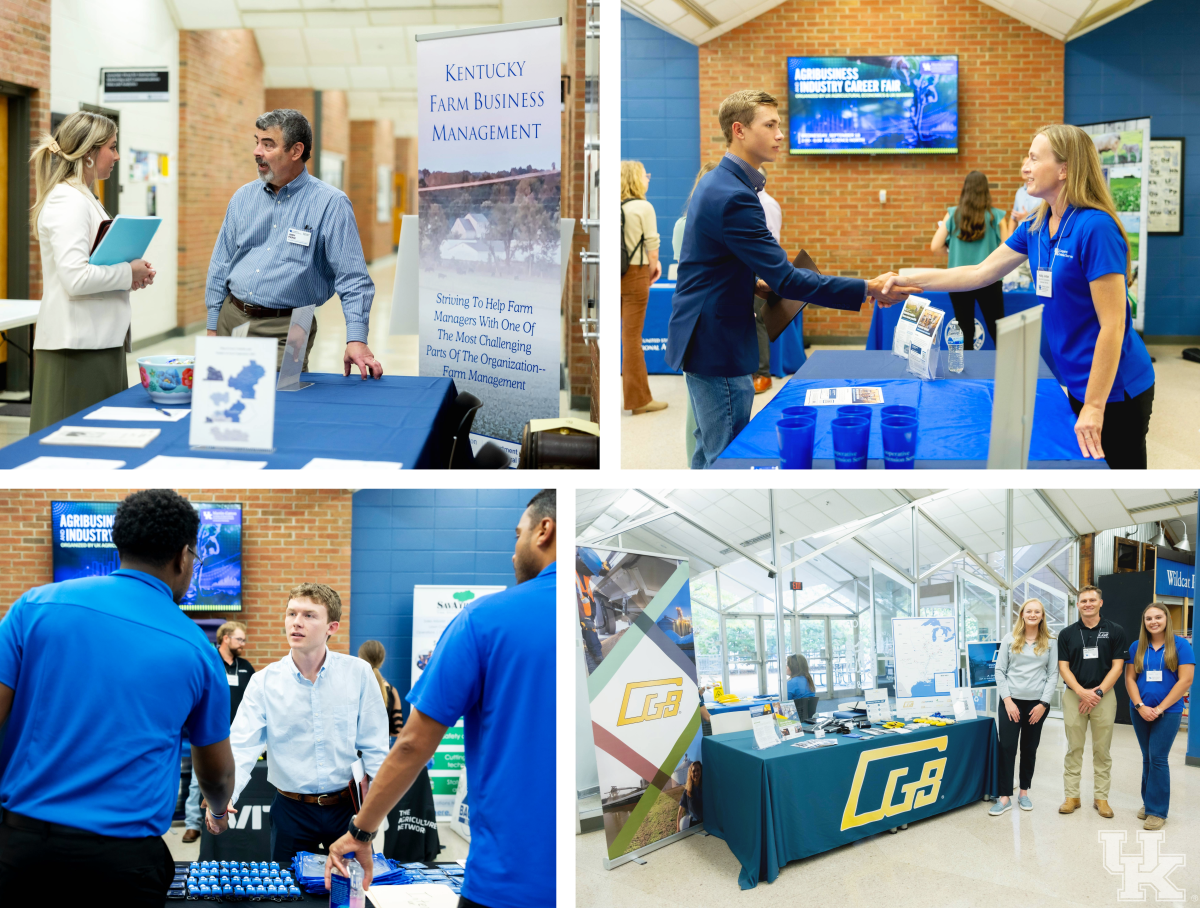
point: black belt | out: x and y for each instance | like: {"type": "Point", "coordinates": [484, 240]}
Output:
{"type": "Point", "coordinates": [17, 821]}
{"type": "Point", "coordinates": [258, 311]}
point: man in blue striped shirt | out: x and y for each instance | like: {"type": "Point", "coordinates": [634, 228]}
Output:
{"type": "Point", "coordinates": [289, 241]}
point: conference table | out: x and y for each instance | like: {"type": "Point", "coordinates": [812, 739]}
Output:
{"type": "Point", "coordinates": [786, 803]}
{"type": "Point", "coordinates": [955, 414]}
{"type": "Point", "coordinates": [883, 322]}
{"type": "Point", "coordinates": [396, 418]}
{"type": "Point", "coordinates": [787, 351]}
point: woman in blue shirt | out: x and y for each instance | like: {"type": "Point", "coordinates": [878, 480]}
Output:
{"type": "Point", "coordinates": [800, 683]}
{"type": "Point", "coordinates": [1079, 253]}
{"type": "Point", "coordinates": [1157, 676]}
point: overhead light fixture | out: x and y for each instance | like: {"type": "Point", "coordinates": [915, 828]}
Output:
{"type": "Point", "coordinates": [1161, 538]}
{"type": "Point", "coordinates": [1184, 544]}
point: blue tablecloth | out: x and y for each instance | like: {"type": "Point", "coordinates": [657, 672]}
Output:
{"type": "Point", "coordinates": [787, 351]}
{"type": "Point", "coordinates": [398, 418]}
{"type": "Point", "coordinates": [714, 708]}
{"type": "Point", "coordinates": [955, 414]}
{"type": "Point", "coordinates": [784, 803]}
{"type": "Point", "coordinates": [883, 322]}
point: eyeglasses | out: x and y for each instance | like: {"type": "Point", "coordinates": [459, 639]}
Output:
{"type": "Point", "coordinates": [196, 556]}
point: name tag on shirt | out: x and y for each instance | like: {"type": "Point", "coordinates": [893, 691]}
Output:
{"type": "Point", "coordinates": [1154, 676]}
{"type": "Point", "coordinates": [233, 679]}
{"type": "Point", "coordinates": [1091, 652]}
{"type": "Point", "coordinates": [302, 237]}
{"type": "Point", "coordinates": [1043, 280]}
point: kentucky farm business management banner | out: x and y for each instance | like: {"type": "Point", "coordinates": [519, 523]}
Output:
{"type": "Point", "coordinates": [489, 183]}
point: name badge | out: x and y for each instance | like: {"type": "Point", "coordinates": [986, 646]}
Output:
{"type": "Point", "coordinates": [233, 679]}
{"type": "Point", "coordinates": [1043, 282]}
{"type": "Point", "coordinates": [1091, 652]}
{"type": "Point", "coordinates": [1154, 676]}
{"type": "Point", "coordinates": [302, 238]}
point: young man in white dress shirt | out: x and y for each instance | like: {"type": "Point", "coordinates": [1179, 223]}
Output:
{"type": "Point", "coordinates": [313, 711]}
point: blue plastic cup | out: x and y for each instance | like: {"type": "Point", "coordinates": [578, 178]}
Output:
{"type": "Point", "coordinates": [808, 412]}
{"type": "Point", "coordinates": [796, 435]}
{"type": "Point", "coordinates": [898, 410]}
{"type": "Point", "coordinates": [855, 410]}
{"type": "Point", "coordinates": [899, 442]}
{"type": "Point", "coordinates": [850, 437]}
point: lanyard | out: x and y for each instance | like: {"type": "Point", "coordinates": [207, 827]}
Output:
{"type": "Point", "coordinates": [1053, 240]}
{"type": "Point", "coordinates": [1083, 640]}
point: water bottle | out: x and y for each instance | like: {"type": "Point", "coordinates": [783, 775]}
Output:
{"type": "Point", "coordinates": [357, 898]}
{"type": "Point", "coordinates": [954, 343]}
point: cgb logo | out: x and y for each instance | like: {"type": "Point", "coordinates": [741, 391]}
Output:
{"type": "Point", "coordinates": [662, 709]}
{"type": "Point", "coordinates": [918, 793]}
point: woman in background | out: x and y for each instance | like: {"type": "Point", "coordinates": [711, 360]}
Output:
{"type": "Point", "coordinates": [641, 242]}
{"type": "Point", "coordinates": [971, 231]}
{"type": "Point", "coordinates": [677, 231]}
{"type": "Point", "coordinates": [1026, 676]}
{"type": "Point", "coordinates": [800, 681]}
{"type": "Point", "coordinates": [1157, 676]}
{"type": "Point", "coordinates": [83, 327]}
{"type": "Point", "coordinates": [411, 833]}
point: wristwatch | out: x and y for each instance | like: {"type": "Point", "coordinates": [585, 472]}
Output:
{"type": "Point", "coordinates": [1044, 704]}
{"type": "Point", "coordinates": [1138, 705]}
{"type": "Point", "coordinates": [360, 835]}
{"type": "Point", "coordinates": [1099, 692]}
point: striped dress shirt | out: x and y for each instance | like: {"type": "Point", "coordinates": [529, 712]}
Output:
{"type": "Point", "coordinates": [254, 261]}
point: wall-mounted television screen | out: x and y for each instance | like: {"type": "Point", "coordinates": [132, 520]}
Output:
{"type": "Point", "coordinates": [873, 105]}
{"type": "Point", "coordinates": [83, 547]}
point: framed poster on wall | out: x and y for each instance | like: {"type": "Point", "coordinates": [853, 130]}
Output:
{"type": "Point", "coordinates": [1165, 188]}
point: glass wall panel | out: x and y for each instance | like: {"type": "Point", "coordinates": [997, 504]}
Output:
{"type": "Point", "coordinates": [890, 598]}
{"type": "Point", "coordinates": [706, 627]}
{"type": "Point", "coordinates": [812, 645]}
{"type": "Point", "coordinates": [743, 656]}
{"type": "Point", "coordinates": [844, 653]}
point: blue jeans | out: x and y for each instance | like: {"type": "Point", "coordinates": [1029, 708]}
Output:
{"type": "Point", "coordinates": [722, 408]}
{"type": "Point", "coordinates": [193, 815]}
{"type": "Point", "coordinates": [1156, 739]}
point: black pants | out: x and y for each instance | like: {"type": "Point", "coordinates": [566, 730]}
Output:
{"type": "Point", "coordinates": [296, 826]}
{"type": "Point", "coordinates": [1029, 736]}
{"type": "Point", "coordinates": [1126, 423]}
{"type": "Point", "coordinates": [464, 902]}
{"type": "Point", "coordinates": [991, 304]}
{"type": "Point", "coordinates": [136, 872]}
{"type": "Point", "coordinates": [764, 340]}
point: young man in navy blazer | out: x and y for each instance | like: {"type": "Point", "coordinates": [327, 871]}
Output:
{"type": "Point", "coordinates": [726, 243]}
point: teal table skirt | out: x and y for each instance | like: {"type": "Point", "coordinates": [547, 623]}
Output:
{"type": "Point", "coordinates": [786, 803]}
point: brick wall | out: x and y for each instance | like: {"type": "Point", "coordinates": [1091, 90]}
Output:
{"type": "Point", "coordinates": [579, 364]}
{"type": "Point", "coordinates": [1010, 83]}
{"type": "Point", "coordinates": [406, 163]}
{"type": "Point", "coordinates": [288, 537]}
{"type": "Point", "coordinates": [220, 96]}
{"type": "Point", "coordinates": [25, 61]}
{"type": "Point", "coordinates": [335, 122]}
{"type": "Point", "coordinates": [300, 99]}
{"type": "Point", "coordinates": [371, 144]}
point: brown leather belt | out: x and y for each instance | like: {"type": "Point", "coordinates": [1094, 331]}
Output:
{"type": "Point", "coordinates": [258, 311]}
{"type": "Point", "coordinates": [329, 799]}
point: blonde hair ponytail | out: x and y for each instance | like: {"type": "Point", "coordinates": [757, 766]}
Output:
{"type": "Point", "coordinates": [60, 158]}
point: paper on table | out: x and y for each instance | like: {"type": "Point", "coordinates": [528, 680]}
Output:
{"type": "Point", "coordinates": [765, 733]}
{"type": "Point", "coordinates": [70, 463]}
{"type": "Point", "coordinates": [413, 895]}
{"type": "Point", "coordinates": [138, 414]}
{"type": "Point", "coordinates": [924, 343]}
{"type": "Point", "coordinates": [233, 395]}
{"type": "Point", "coordinates": [964, 703]}
{"type": "Point", "coordinates": [101, 437]}
{"type": "Point", "coordinates": [163, 461]}
{"type": "Point", "coordinates": [825, 397]}
{"type": "Point", "coordinates": [326, 463]}
{"type": "Point", "coordinates": [909, 315]}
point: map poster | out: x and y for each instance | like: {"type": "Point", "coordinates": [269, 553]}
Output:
{"type": "Point", "coordinates": [434, 607]}
{"type": "Point", "coordinates": [233, 394]}
{"type": "Point", "coordinates": [926, 665]}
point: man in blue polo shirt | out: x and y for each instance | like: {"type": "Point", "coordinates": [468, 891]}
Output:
{"type": "Point", "coordinates": [89, 767]}
{"type": "Point", "coordinates": [495, 666]}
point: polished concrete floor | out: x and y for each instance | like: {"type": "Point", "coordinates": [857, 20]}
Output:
{"type": "Point", "coordinates": [656, 441]}
{"type": "Point", "coordinates": [397, 353]}
{"type": "Point", "coordinates": [961, 858]}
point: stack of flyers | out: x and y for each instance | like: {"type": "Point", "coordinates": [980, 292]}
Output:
{"type": "Point", "coordinates": [825, 397]}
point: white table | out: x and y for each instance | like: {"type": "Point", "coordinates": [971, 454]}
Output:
{"type": "Point", "coordinates": [17, 313]}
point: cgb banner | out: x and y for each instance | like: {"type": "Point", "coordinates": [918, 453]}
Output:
{"type": "Point", "coordinates": [489, 152]}
{"type": "Point", "coordinates": [635, 616]}
{"type": "Point", "coordinates": [434, 607]}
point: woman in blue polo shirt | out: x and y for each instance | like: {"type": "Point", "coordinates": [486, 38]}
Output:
{"type": "Point", "coordinates": [1158, 675]}
{"type": "Point", "coordinates": [1079, 255]}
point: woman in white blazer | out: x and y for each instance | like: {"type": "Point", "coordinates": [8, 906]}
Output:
{"type": "Point", "coordinates": [83, 326]}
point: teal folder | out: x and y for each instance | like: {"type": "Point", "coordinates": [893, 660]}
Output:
{"type": "Point", "coordinates": [127, 239]}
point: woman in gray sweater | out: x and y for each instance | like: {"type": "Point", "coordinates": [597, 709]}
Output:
{"type": "Point", "coordinates": [1026, 675]}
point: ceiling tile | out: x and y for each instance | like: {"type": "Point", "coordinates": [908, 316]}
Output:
{"type": "Point", "coordinates": [331, 46]}
{"type": "Point", "coordinates": [281, 46]}
{"type": "Point", "coordinates": [667, 11]}
{"type": "Point", "coordinates": [329, 78]}
{"type": "Point", "coordinates": [340, 19]}
{"type": "Point", "coordinates": [367, 77]}
{"type": "Point", "coordinates": [286, 77]}
{"type": "Point", "coordinates": [272, 20]}
{"type": "Point", "coordinates": [210, 14]}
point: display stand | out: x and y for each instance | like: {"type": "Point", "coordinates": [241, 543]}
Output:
{"type": "Point", "coordinates": [1018, 352]}
{"type": "Point", "coordinates": [294, 350]}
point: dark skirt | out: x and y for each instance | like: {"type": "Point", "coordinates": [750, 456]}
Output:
{"type": "Point", "coordinates": [67, 381]}
{"type": "Point", "coordinates": [412, 833]}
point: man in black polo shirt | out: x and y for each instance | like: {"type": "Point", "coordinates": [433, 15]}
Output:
{"type": "Point", "coordinates": [1091, 657]}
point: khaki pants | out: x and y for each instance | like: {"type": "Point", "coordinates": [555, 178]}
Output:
{"type": "Point", "coordinates": [1101, 719]}
{"type": "Point", "coordinates": [232, 317]}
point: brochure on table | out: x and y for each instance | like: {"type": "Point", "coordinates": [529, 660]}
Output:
{"type": "Point", "coordinates": [787, 720]}
{"type": "Point", "coordinates": [233, 394]}
{"type": "Point", "coordinates": [913, 307]}
{"type": "Point", "coordinates": [827, 397]}
{"type": "Point", "coordinates": [879, 707]}
{"type": "Point", "coordinates": [963, 700]}
{"type": "Point", "coordinates": [924, 345]}
{"type": "Point", "coordinates": [926, 652]}
{"type": "Point", "coordinates": [766, 733]}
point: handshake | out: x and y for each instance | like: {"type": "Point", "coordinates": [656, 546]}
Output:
{"type": "Point", "coordinates": [887, 289]}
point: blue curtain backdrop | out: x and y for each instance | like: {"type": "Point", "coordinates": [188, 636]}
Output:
{"type": "Point", "coordinates": [1144, 64]}
{"type": "Point", "coordinates": [660, 117]}
{"type": "Point", "coordinates": [402, 537]}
